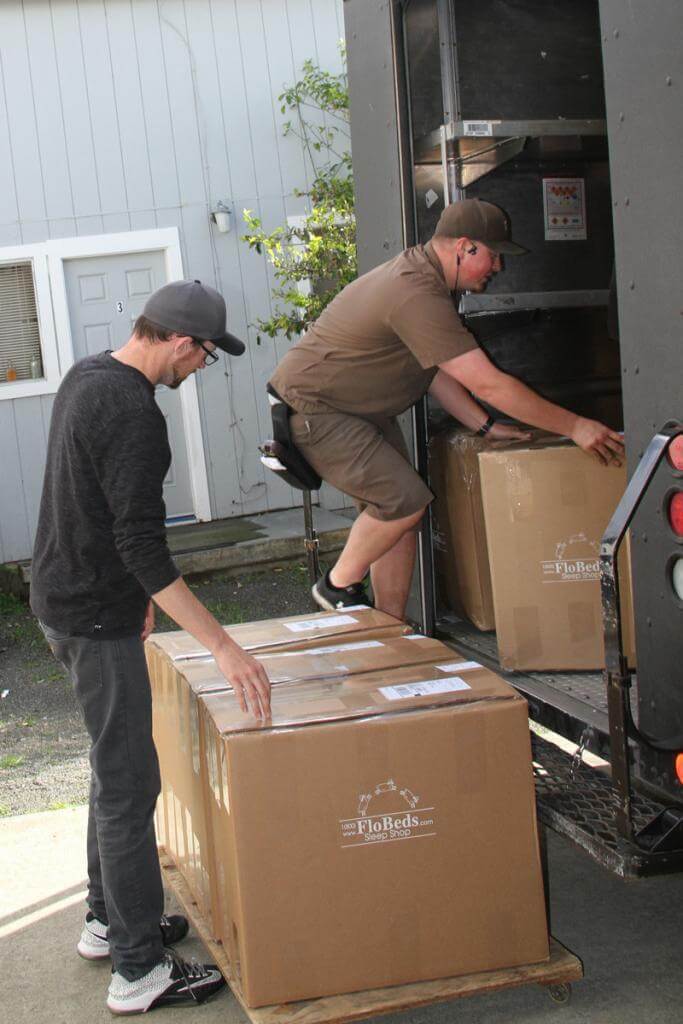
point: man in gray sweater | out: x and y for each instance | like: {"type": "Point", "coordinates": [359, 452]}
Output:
{"type": "Point", "coordinates": [100, 561]}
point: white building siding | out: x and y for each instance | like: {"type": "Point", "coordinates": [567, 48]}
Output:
{"type": "Point", "coordinates": [121, 116]}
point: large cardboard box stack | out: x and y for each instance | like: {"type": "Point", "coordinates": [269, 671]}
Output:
{"type": "Point", "coordinates": [367, 835]}
{"type": "Point", "coordinates": [546, 508]}
{"type": "Point", "coordinates": [361, 836]}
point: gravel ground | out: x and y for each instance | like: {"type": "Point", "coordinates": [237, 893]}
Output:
{"type": "Point", "coordinates": [43, 743]}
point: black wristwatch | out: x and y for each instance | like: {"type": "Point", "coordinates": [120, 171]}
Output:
{"type": "Point", "coordinates": [485, 427]}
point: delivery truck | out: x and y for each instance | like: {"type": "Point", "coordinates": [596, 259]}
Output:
{"type": "Point", "coordinates": [569, 116]}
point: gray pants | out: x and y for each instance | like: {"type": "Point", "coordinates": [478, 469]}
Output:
{"type": "Point", "coordinates": [124, 878]}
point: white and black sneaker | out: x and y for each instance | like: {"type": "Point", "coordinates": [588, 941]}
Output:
{"type": "Point", "coordinates": [333, 598]}
{"type": "Point", "coordinates": [94, 941]}
{"type": "Point", "coordinates": [172, 982]}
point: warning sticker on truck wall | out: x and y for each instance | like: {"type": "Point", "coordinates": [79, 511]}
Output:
{"type": "Point", "coordinates": [564, 209]}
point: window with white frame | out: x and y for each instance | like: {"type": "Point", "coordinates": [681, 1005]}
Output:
{"type": "Point", "coordinates": [20, 348]}
{"type": "Point", "coordinates": [29, 360]}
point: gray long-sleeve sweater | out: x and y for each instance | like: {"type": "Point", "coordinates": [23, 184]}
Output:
{"type": "Point", "coordinates": [100, 547]}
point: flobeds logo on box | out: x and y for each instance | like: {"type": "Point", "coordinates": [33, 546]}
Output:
{"type": "Point", "coordinates": [576, 560]}
{"type": "Point", "coordinates": [387, 814]}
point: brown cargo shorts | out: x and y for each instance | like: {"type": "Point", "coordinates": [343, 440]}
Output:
{"type": "Point", "coordinates": [366, 459]}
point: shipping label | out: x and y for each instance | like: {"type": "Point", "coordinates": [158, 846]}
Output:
{"type": "Point", "coordinates": [477, 128]}
{"type": "Point", "coordinates": [459, 666]}
{"type": "Point", "coordinates": [359, 645]}
{"type": "Point", "coordinates": [332, 620]}
{"type": "Point", "coordinates": [424, 688]}
{"type": "Point", "coordinates": [387, 813]}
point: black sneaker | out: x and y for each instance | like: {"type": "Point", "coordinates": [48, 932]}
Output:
{"type": "Point", "coordinates": [172, 982]}
{"type": "Point", "coordinates": [334, 598]}
{"type": "Point", "coordinates": [94, 941]}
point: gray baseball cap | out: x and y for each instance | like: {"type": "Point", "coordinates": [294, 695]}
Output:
{"type": "Point", "coordinates": [189, 307]}
{"type": "Point", "coordinates": [481, 222]}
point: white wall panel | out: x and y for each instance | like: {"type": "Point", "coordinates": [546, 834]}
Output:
{"type": "Point", "coordinates": [9, 208]}
{"type": "Point", "coordinates": [15, 537]}
{"type": "Point", "coordinates": [62, 21]}
{"type": "Point", "coordinates": [54, 162]}
{"type": "Point", "coordinates": [104, 115]}
{"type": "Point", "coordinates": [31, 447]}
{"type": "Point", "coordinates": [153, 74]}
{"type": "Point", "coordinates": [130, 124]}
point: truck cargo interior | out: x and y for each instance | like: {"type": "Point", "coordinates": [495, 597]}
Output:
{"type": "Point", "coordinates": [506, 101]}
{"type": "Point", "coordinates": [515, 113]}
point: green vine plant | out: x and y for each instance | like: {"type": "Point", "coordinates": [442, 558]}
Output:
{"type": "Point", "coordinates": [314, 260]}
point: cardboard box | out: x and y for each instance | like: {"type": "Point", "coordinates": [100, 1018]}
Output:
{"type": "Point", "coordinates": [546, 508]}
{"type": "Point", "coordinates": [288, 633]}
{"type": "Point", "coordinates": [183, 826]}
{"type": "Point", "coordinates": [461, 558]}
{"type": "Point", "coordinates": [366, 836]}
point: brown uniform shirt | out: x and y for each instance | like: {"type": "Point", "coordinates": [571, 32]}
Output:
{"type": "Point", "coordinates": [375, 349]}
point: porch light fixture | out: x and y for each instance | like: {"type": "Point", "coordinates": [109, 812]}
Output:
{"type": "Point", "coordinates": [221, 215]}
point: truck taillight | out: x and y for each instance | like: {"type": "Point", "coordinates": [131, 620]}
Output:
{"type": "Point", "coordinates": [676, 513]}
{"type": "Point", "coordinates": [676, 452]}
{"type": "Point", "coordinates": [679, 768]}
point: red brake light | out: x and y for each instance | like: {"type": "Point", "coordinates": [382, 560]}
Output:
{"type": "Point", "coordinates": [676, 513]}
{"type": "Point", "coordinates": [675, 452]}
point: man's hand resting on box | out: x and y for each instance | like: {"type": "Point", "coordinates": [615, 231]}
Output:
{"type": "Point", "coordinates": [245, 674]}
{"type": "Point", "coordinates": [598, 440]}
{"type": "Point", "coordinates": [508, 432]}
{"type": "Point", "coordinates": [248, 679]}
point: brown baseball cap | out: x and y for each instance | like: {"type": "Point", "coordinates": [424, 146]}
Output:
{"type": "Point", "coordinates": [190, 307]}
{"type": "Point", "coordinates": [480, 221]}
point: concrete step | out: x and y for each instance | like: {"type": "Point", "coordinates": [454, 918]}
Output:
{"type": "Point", "coordinates": [276, 538]}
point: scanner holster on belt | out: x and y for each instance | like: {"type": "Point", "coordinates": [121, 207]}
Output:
{"type": "Point", "coordinates": [280, 454]}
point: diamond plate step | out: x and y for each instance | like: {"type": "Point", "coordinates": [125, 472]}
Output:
{"type": "Point", "coordinates": [578, 801]}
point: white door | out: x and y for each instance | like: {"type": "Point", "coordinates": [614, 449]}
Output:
{"type": "Point", "coordinates": [105, 295]}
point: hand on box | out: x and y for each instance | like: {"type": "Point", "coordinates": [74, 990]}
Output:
{"type": "Point", "coordinates": [508, 432]}
{"type": "Point", "coordinates": [597, 439]}
{"type": "Point", "coordinates": [248, 679]}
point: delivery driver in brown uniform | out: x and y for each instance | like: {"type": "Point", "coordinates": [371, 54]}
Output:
{"type": "Point", "coordinates": [385, 340]}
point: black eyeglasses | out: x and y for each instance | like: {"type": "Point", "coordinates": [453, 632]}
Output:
{"type": "Point", "coordinates": [211, 357]}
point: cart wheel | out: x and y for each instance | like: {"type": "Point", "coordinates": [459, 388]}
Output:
{"type": "Point", "coordinates": [560, 993]}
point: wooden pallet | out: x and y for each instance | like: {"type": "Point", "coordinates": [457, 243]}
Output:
{"type": "Point", "coordinates": [556, 975]}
